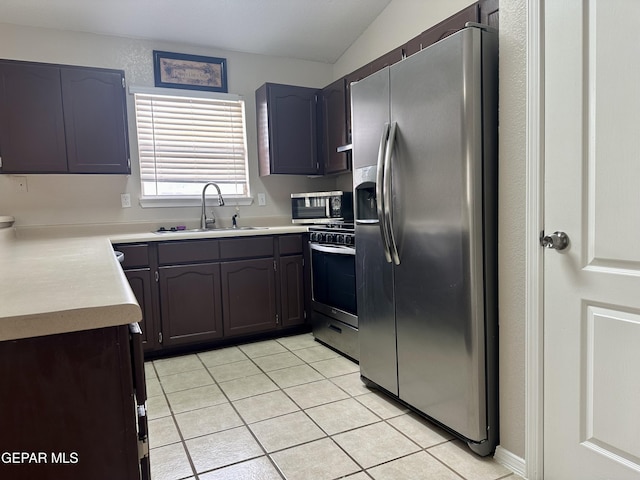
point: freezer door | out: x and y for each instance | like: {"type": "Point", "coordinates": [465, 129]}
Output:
{"type": "Point", "coordinates": [437, 216]}
{"type": "Point", "coordinates": [374, 275]}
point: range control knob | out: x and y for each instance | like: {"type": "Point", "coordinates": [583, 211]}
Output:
{"type": "Point", "coordinates": [348, 240]}
{"type": "Point", "coordinates": [340, 239]}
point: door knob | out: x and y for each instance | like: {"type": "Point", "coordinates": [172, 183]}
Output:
{"type": "Point", "coordinates": [557, 240]}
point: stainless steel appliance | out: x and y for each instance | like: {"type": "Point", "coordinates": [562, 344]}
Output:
{"type": "Point", "coordinates": [425, 182]}
{"type": "Point", "coordinates": [322, 207]}
{"type": "Point", "coordinates": [334, 316]}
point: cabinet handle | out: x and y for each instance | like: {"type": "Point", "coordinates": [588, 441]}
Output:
{"type": "Point", "coordinates": [157, 277]}
{"type": "Point", "coordinates": [160, 337]}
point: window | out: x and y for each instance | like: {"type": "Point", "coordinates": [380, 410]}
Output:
{"type": "Point", "coordinates": [185, 142]}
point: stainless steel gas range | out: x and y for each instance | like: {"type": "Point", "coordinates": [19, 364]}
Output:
{"type": "Point", "coordinates": [334, 315]}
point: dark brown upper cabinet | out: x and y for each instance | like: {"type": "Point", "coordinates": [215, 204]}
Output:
{"type": "Point", "coordinates": [62, 119]}
{"type": "Point", "coordinates": [287, 130]}
{"type": "Point", "coordinates": [489, 12]}
{"type": "Point", "coordinates": [443, 29]}
{"type": "Point", "coordinates": [334, 128]}
{"type": "Point", "coordinates": [31, 119]}
{"type": "Point", "coordinates": [95, 119]}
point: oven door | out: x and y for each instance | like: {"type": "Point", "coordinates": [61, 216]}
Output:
{"type": "Point", "coordinates": [333, 282]}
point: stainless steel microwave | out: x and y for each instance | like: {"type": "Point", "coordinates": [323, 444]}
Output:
{"type": "Point", "coordinates": [322, 207]}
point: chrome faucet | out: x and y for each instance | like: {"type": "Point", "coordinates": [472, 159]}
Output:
{"type": "Point", "coordinates": [207, 223]}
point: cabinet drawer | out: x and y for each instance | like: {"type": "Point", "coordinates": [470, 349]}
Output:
{"type": "Point", "coordinates": [246, 247]}
{"type": "Point", "coordinates": [188, 251]}
{"type": "Point", "coordinates": [135, 255]}
{"type": "Point", "coordinates": [290, 244]}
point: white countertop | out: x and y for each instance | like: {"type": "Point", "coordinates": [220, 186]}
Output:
{"type": "Point", "coordinates": [51, 283]}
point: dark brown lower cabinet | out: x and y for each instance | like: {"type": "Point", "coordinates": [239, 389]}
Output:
{"type": "Point", "coordinates": [292, 290]}
{"type": "Point", "coordinates": [141, 285]}
{"type": "Point", "coordinates": [69, 406]}
{"type": "Point", "coordinates": [249, 296]}
{"type": "Point", "coordinates": [190, 303]}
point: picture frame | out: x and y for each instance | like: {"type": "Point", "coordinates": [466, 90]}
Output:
{"type": "Point", "coordinates": [193, 72]}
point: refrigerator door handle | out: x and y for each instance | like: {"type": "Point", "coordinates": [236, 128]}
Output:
{"type": "Point", "coordinates": [388, 155]}
{"type": "Point", "coordinates": [380, 197]}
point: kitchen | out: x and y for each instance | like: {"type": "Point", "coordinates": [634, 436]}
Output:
{"type": "Point", "coordinates": [68, 202]}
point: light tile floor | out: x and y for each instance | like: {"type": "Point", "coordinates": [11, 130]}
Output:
{"type": "Point", "coordinates": [291, 409]}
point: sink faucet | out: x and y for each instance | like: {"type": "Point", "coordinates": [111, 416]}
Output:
{"type": "Point", "coordinates": [206, 223]}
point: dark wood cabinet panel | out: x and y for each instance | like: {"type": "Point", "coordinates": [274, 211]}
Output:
{"type": "Point", "coordinates": [287, 130]}
{"type": "Point", "coordinates": [190, 303]}
{"type": "Point", "coordinates": [334, 127]}
{"type": "Point", "coordinates": [62, 119]}
{"type": "Point", "coordinates": [290, 244]}
{"type": "Point", "coordinates": [31, 119]}
{"type": "Point", "coordinates": [389, 58]}
{"type": "Point", "coordinates": [187, 251]}
{"type": "Point", "coordinates": [249, 296]}
{"type": "Point", "coordinates": [443, 29]}
{"type": "Point", "coordinates": [292, 290]}
{"type": "Point", "coordinates": [246, 247]}
{"type": "Point", "coordinates": [71, 395]}
{"type": "Point", "coordinates": [140, 280]}
{"type": "Point", "coordinates": [136, 255]}
{"type": "Point", "coordinates": [489, 12]}
{"type": "Point", "coordinates": [95, 118]}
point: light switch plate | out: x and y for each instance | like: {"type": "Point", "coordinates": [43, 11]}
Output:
{"type": "Point", "coordinates": [262, 199]}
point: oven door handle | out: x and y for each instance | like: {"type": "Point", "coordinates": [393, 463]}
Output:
{"type": "Point", "coordinates": [339, 249]}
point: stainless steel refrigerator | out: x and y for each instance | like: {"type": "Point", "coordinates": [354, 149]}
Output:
{"type": "Point", "coordinates": [425, 183]}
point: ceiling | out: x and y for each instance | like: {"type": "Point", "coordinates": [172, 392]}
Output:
{"type": "Point", "coordinates": [319, 30]}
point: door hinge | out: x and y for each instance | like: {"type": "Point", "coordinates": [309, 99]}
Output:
{"type": "Point", "coordinates": [123, 83]}
{"type": "Point", "coordinates": [129, 163]}
{"type": "Point", "coordinates": [159, 337]}
{"type": "Point", "coordinates": [275, 266]}
{"type": "Point", "coordinates": [157, 277]}
{"type": "Point", "coordinates": [277, 319]}
{"type": "Point", "coordinates": [0, 162]}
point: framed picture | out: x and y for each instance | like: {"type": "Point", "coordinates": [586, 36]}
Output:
{"type": "Point", "coordinates": [194, 72]}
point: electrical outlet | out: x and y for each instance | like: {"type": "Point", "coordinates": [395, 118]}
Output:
{"type": "Point", "coordinates": [262, 199]}
{"type": "Point", "coordinates": [125, 200]}
{"type": "Point", "coordinates": [20, 183]}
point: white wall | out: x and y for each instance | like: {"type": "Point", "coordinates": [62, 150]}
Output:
{"type": "Point", "coordinates": [403, 20]}
{"type": "Point", "coordinates": [511, 224]}
{"type": "Point", "coordinates": [76, 199]}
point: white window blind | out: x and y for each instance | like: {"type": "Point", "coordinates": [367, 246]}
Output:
{"type": "Point", "coordinates": [185, 142]}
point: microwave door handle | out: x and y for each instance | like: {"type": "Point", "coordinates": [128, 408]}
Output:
{"type": "Point", "coordinates": [380, 192]}
{"type": "Point", "coordinates": [388, 158]}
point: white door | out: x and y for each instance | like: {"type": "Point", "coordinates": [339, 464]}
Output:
{"type": "Point", "coordinates": [592, 192]}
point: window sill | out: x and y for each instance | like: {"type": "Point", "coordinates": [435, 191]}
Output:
{"type": "Point", "coordinates": [159, 202]}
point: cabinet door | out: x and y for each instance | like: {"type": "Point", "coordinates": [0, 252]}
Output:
{"type": "Point", "coordinates": [190, 303]}
{"type": "Point", "coordinates": [71, 397]}
{"type": "Point", "coordinates": [95, 118]}
{"type": "Point", "coordinates": [287, 140]}
{"type": "Point", "coordinates": [31, 121]}
{"type": "Point", "coordinates": [141, 285]}
{"type": "Point", "coordinates": [334, 127]}
{"type": "Point", "coordinates": [292, 290]}
{"type": "Point", "coordinates": [249, 296]}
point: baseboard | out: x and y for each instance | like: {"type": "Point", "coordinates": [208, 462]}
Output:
{"type": "Point", "coordinates": [510, 460]}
